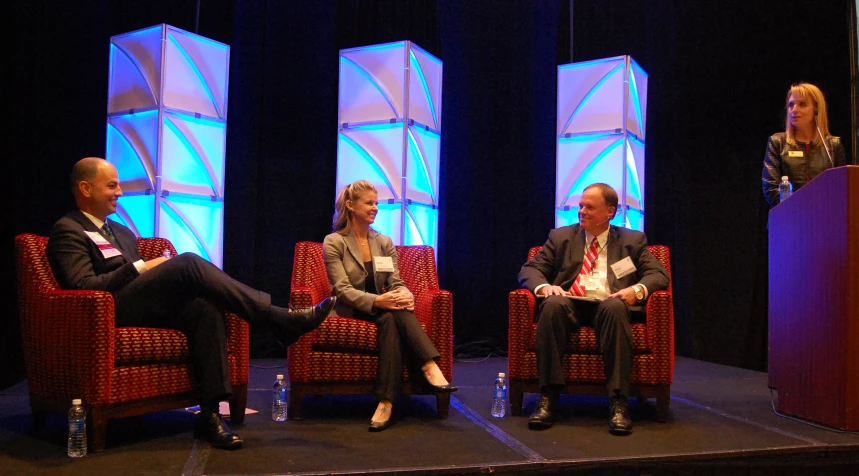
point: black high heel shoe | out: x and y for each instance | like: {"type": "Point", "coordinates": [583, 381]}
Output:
{"type": "Point", "coordinates": [376, 426]}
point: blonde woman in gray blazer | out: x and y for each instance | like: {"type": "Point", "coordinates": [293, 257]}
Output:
{"type": "Point", "coordinates": [362, 270]}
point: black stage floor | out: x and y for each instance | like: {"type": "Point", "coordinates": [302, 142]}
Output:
{"type": "Point", "coordinates": [721, 422]}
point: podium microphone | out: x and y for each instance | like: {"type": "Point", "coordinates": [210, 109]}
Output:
{"type": "Point", "coordinates": [823, 139]}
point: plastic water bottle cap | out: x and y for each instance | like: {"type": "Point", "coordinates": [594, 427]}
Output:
{"type": "Point", "coordinates": [76, 401]}
{"type": "Point", "coordinates": [784, 178]}
{"type": "Point", "coordinates": [502, 374]}
{"type": "Point", "coordinates": [280, 376]}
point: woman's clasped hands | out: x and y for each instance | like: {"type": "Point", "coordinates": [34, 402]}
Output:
{"type": "Point", "coordinates": [395, 300]}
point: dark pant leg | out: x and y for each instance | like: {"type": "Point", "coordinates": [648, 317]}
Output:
{"type": "Point", "coordinates": [204, 325]}
{"type": "Point", "coordinates": [614, 335]}
{"type": "Point", "coordinates": [156, 294]}
{"type": "Point", "coordinates": [413, 337]}
{"type": "Point", "coordinates": [556, 320]}
{"type": "Point", "coordinates": [389, 373]}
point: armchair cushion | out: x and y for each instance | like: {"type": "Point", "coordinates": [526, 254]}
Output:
{"type": "Point", "coordinates": [143, 345]}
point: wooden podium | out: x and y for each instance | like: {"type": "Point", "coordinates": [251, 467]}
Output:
{"type": "Point", "coordinates": [814, 300]}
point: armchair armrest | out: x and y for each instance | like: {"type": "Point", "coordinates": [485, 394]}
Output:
{"type": "Point", "coordinates": [70, 345]}
{"type": "Point", "coordinates": [303, 296]}
{"type": "Point", "coordinates": [238, 344]}
{"type": "Point", "coordinates": [660, 331]}
{"type": "Point", "coordinates": [434, 310]}
{"type": "Point", "coordinates": [521, 328]}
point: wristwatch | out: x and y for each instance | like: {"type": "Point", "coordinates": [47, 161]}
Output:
{"type": "Point", "coordinates": [639, 294]}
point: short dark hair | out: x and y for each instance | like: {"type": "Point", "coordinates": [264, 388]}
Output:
{"type": "Point", "coordinates": [608, 194]}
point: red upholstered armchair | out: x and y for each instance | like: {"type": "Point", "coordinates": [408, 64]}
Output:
{"type": "Point", "coordinates": [653, 340]}
{"type": "Point", "coordinates": [340, 357]}
{"type": "Point", "coordinates": [72, 350]}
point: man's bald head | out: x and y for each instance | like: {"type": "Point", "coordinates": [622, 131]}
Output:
{"type": "Point", "coordinates": [85, 170]}
{"type": "Point", "coordinates": [95, 185]}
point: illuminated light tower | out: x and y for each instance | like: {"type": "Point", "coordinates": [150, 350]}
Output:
{"type": "Point", "coordinates": [602, 107]}
{"type": "Point", "coordinates": [389, 131]}
{"type": "Point", "coordinates": [166, 135]}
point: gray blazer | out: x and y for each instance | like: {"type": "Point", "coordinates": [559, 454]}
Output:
{"type": "Point", "coordinates": [346, 271]}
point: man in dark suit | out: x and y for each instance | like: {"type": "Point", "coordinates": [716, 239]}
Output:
{"type": "Point", "coordinates": [612, 268]}
{"type": "Point", "coordinates": [188, 293]}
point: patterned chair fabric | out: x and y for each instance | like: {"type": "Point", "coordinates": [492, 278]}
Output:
{"type": "Point", "coordinates": [72, 350]}
{"type": "Point", "coordinates": [653, 341]}
{"type": "Point", "coordinates": [340, 357]}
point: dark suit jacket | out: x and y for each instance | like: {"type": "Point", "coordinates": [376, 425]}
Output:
{"type": "Point", "coordinates": [346, 272]}
{"type": "Point", "coordinates": [77, 262]}
{"type": "Point", "coordinates": [560, 261]}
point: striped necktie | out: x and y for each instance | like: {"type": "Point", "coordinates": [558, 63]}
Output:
{"type": "Point", "coordinates": [108, 233]}
{"type": "Point", "coordinates": [587, 268]}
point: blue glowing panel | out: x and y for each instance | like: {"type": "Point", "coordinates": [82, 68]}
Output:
{"type": "Point", "coordinates": [194, 225]}
{"type": "Point", "coordinates": [134, 80]}
{"type": "Point", "coordinates": [586, 160]}
{"type": "Point", "coordinates": [138, 213]}
{"type": "Point", "coordinates": [635, 220]}
{"type": "Point", "coordinates": [389, 120]}
{"type": "Point", "coordinates": [636, 120]}
{"type": "Point", "coordinates": [601, 126]}
{"type": "Point", "coordinates": [422, 162]}
{"type": "Point", "coordinates": [197, 71]}
{"type": "Point", "coordinates": [132, 146]}
{"type": "Point", "coordinates": [389, 221]}
{"type": "Point", "coordinates": [635, 175]}
{"type": "Point", "coordinates": [421, 223]}
{"type": "Point", "coordinates": [193, 161]}
{"type": "Point", "coordinates": [425, 88]}
{"type": "Point", "coordinates": [372, 83]}
{"type": "Point", "coordinates": [590, 96]}
{"type": "Point", "coordinates": [374, 154]}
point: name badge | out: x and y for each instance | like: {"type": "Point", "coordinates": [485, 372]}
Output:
{"type": "Point", "coordinates": [795, 153]}
{"type": "Point", "coordinates": [623, 267]}
{"type": "Point", "coordinates": [383, 264]}
{"type": "Point", "coordinates": [107, 249]}
{"type": "Point", "coordinates": [589, 281]}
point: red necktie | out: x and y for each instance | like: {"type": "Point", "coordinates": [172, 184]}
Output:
{"type": "Point", "coordinates": [587, 267]}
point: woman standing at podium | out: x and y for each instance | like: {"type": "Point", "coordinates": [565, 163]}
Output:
{"type": "Point", "coordinates": [805, 148]}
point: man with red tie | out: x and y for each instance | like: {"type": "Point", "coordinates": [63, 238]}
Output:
{"type": "Point", "coordinates": [593, 274]}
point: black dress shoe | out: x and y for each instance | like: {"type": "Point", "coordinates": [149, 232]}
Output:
{"type": "Point", "coordinates": [542, 417]}
{"type": "Point", "coordinates": [292, 323]}
{"type": "Point", "coordinates": [619, 422]}
{"type": "Point", "coordinates": [306, 319]}
{"type": "Point", "coordinates": [212, 428]}
{"type": "Point", "coordinates": [376, 426]}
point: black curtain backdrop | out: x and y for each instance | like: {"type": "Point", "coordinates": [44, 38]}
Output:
{"type": "Point", "coordinates": [718, 73]}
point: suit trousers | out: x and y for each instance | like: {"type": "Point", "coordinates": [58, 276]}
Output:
{"type": "Point", "coordinates": [559, 316]}
{"type": "Point", "coordinates": [399, 337]}
{"type": "Point", "coordinates": [190, 294]}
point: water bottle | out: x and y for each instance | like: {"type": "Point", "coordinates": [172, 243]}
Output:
{"type": "Point", "coordinates": [785, 189]}
{"type": "Point", "coordinates": [166, 253]}
{"type": "Point", "coordinates": [278, 399]}
{"type": "Point", "coordinates": [499, 396]}
{"type": "Point", "coordinates": [77, 429]}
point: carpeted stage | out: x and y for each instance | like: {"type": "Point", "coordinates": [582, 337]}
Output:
{"type": "Point", "coordinates": [721, 422]}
